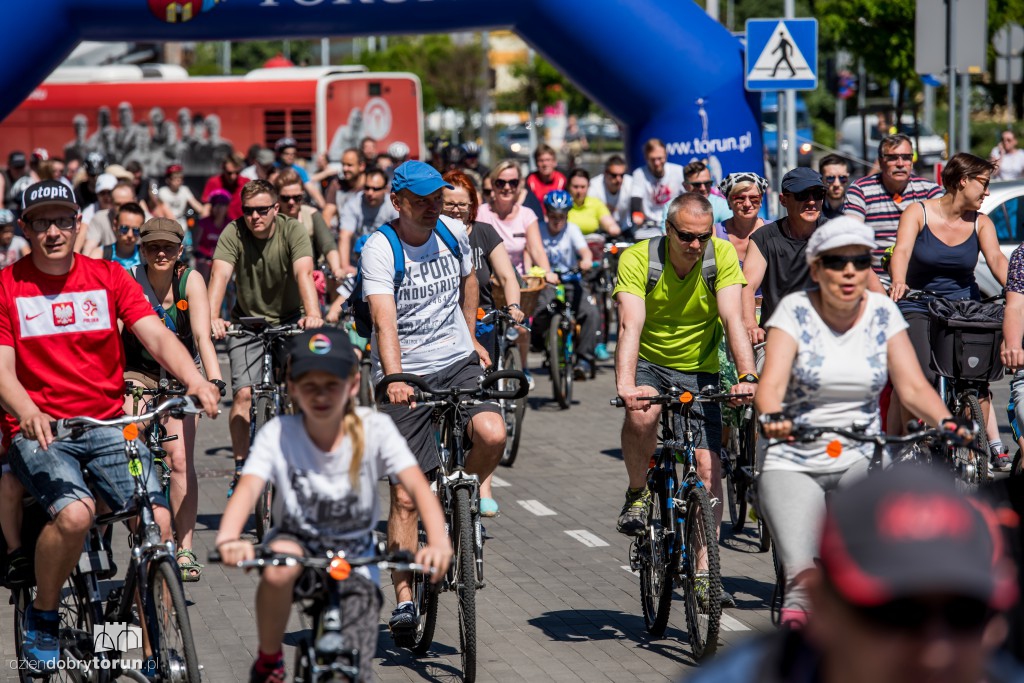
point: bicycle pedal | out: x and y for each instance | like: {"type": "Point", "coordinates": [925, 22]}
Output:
{"type": "Point", "coordinates": [715, 502]}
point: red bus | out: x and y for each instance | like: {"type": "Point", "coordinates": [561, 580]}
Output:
{"type": "Point", "coordinates": [197, 121]}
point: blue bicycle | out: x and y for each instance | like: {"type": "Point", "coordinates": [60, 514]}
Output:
{"type": "Point", "coordinates": [680, 543]}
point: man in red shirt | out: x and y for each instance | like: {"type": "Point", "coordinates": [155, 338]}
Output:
{"type": "Point", "coordinates": [229, 180]}
{"type": "Point", "coordinates": [61, 356]}
{"type": "Point", "coordinates": [545, 178]}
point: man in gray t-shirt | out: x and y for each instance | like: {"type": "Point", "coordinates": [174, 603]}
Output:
{"type": "Point", "coordinates": [426, 328]}
{"type": "Point", "coordinates": [361, 215]}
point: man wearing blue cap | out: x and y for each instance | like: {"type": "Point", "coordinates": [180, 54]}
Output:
{"type": "Point", "coordinates": [424, 325]}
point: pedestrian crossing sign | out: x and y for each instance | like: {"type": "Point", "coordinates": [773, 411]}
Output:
{"type": "Point", "coordinates": [782, 54]}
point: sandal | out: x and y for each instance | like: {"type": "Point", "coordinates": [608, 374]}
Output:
{"type": "Point", "coordinates": [191, 570]}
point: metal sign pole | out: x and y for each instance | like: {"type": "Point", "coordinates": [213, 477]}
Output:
{"type": "Point", "coordinates": [951, 74]}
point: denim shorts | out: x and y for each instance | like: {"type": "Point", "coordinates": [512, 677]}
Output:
{"type": "Point", "coordinates": [706, 417]}
{"type": "Point", "coordinates": [54, 477]}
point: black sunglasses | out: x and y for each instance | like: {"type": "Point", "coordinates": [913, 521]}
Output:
{"type": "Point", "coordinates": [837, 262]}
{"type": "Point", "coordinates": [289, 198]}
{"type": "Point", "coordinates": [500, 184]}
{"type": "Point", "coordinates": [897, 157]}
{"type": "Point", "coordinates": [700, 183]}
{"type": "Point", "coordinates": [615, 175]}
{"type": "Point", "coordinates": [815, 193]}
{"type": "Point", "coordinates": [958, 615]}
{"type": "Point", "coordinates": [687, 237]}
{"type": "Point", "coordinates": [832, 178]}
{"type": "Point", "coordinates": [125, 229]}
{"type": "Point", "coordinates": [261, 210]}
{"type": "Point", "coordinates": [370, 188]}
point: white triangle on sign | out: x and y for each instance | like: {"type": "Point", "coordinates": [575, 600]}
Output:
{"type": "Point", "coordinates": [781, 59]}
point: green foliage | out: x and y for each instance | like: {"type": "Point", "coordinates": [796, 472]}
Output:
{"type": "Point", "coordinates": [250, 54]}
{"type": "Point", "coordinates": [544, 84]}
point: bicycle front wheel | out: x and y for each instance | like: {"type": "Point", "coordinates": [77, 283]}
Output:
{"type": "Point", "coordinates": [556, 361]}
{"type": "Point", "coordinates": [658, 559]}
{"type": "Point", "coordinates": [703, 574]}
{"type": "Point", "coordinates": [513, 411]}
{"type": "Point", "coordinates": [972, 466]}
{"type": "Point", "coordinates": [424, 596]}
{"type": "Point", "coordinates": [264, 412]}
{"type": "Point", "coordinates": [170, 634]}
{"type": "Point", "coordinates": [465, 577]}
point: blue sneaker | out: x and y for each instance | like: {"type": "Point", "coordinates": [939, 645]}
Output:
{"type": "Point", "coordinates": [40, 641]}
{"type": "Point", "coordinates": [601, 352]}
{"type": "Point", "coordinates": [529, 379]}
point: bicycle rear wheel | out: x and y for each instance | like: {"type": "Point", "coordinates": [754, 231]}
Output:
{"type": "Point", "coordinates": [170, 633]}
{"type": "Point", "coordinates": [514, 412]}
{"type": "Point", "coordinates": [658, 558]}
{"type": "Point", "coordinates": [702, 574]}
{"type": "Point", "coordinates": [556, 361]}
{"type": "Point", "coordinates": [465, 577]}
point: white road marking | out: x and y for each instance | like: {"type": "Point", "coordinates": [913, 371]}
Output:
{"type": "Point", "coordinates": [626, 567]}
{"type": "Point", "coordinates": [498, 482]}
{"type": "Point", "coordinates": [537, 508]}
{"type": "Point", "coordinates": [728, 623]}
{"type": "Point", "coordinates": [586, 538]}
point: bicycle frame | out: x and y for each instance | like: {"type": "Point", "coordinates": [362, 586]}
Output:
{"type": "Point", "coordinates": [449, 426]}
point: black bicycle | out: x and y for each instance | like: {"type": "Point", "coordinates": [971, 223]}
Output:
{"type": "Point", "coordinates": [914, 448]}
{"type": "Point", "coordinates": [151, 595]}
{"type": "Point", "coordinates": [324, 656]}
{"type": "Point", "coordinates": [505, 356]}
{"type": "Point", "coordinates": [561, 342]}
{"type": "Point", "coordinates": [269, 397]}
{"type": "Point", "coordinates": [459, 494]}
{"type": "Point", "coordinates": [680, 542]}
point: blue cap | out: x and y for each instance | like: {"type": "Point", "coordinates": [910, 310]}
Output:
{"type": "Point", "coordinates": [419, 178]}
{"type": "Point", "coordinates": [800, 179]}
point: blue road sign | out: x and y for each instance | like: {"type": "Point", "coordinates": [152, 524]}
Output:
{"type": "Point", "coordinates": [782, 54]}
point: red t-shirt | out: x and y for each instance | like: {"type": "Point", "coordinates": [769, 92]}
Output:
{"type": "Point", "coordinates": [68, 351]}
{"type": "Point", "coordinates": [217, 183]}
{"type": "Point", "coordinates": [540, 189]}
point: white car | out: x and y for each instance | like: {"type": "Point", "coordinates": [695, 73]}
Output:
{"type": "Point", "coordinates": [931, 148]}
{"type": "Point", "coordinates": [1005, 206]}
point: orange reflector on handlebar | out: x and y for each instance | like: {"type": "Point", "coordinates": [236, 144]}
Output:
{"type": "Point", "coordinates": [339, 569]}
{"type": "Point", "coordinates": [686, 397]}
{"type": "Point", "coordinates": [130, 431]}
{"type": "Point", "coordinates": [614, 250]}
{"type": "Point", "coordinates": [480, 313]}
{"type": "Point", "coordinates": [834, 448]}
{"type": "Point", "coordinates": [653, 463]}
{"type": "Point", "coordinates": [638, 217]}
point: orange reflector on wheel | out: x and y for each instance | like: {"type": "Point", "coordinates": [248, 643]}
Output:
{"type": "Point", "coordinates": [130, 431]}
{"type": "Point", "coordinates": [834, 449]}
{"type": "Point", "coordinates": [340, 569]}
{"type": "Point", "coordinates": [686, 397]}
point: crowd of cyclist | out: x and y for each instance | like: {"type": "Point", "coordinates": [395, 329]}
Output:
{"type": "Point", "coordinates": [115, 277]}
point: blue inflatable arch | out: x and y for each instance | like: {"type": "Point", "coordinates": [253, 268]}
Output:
{"type": "Point", "coordinates": [664, 69]}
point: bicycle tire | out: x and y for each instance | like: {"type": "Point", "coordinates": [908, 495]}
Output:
{"type": "Point", "coordinates": [778, 590]}
{"type": "Point", "coordinates": [555, 360]}
{"type": "Point", "coordinates": [568, 365]}
{"type": "Point", "coordinates": [304, 658]}
{"type": "Point", "coordinates": [970, 409]}
{"type": "Point", "coordinates": [465, 577]}
{"type": "Point", "coordinates": [702, 620]}
{"type": "Point", "coordinates": [658, 560]}
{"type": "Point", "coordinates": [425, 596]}
{"type": "Point", "coordinates": [264, 413]}
{"type": "Point", "coordinates": [1016, 470]}
{"type": "Point", "coordinates": [513, 422]}
{"type": "Point", "coordinates": [365, 384]}
{"type": "Point", "coordinates": [764, 535]}
{"type": "Point", "coordinates": [170, 633]}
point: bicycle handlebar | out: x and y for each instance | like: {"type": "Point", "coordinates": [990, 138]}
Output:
{"type": "Point", "coordinates": [674, 395]}
{"type": "Point", "coordinates": [402, 561]}
{"type": "Point", "coordinates": [805, 434]}
{"type": "Point", "coordinates": [279, 331]}
{"type": "Point", "coordinates": [503, 314]}
{"type": "Point", "coordinates": [427, 395]}
{"type": "Point", "coordinates": [178, 407]}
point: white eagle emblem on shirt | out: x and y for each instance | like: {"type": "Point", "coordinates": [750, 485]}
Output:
{"type": "Point", "coordinates": [64, 314]}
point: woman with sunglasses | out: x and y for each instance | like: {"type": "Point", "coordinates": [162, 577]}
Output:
{"type": "Point", "coordinates": [745, 192]}
{"type": "Point", "coordinates": [936, 251]}
{"type": "Point", "coordinates": [178, 295]}
{"type": "Point", "coordinates": [828, 353]}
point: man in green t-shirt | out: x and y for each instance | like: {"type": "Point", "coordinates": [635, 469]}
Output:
{"type": "Point", "coordinates": [669, 337]}
{"type": "Point", "coordinates": [271, 258]}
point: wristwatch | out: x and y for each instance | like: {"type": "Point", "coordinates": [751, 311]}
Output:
{"type": "Point", "coordinates": [749, 378]}
{"type": "Point", "coordinates": [514, 306]}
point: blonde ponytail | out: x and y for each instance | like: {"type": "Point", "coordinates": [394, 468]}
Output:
{"type": "Point", "coordinates": [353, 426]}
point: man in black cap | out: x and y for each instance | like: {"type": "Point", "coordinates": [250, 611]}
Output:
{"type": "Point", "coordinates": [775, 261]}
{"type": "Point", "coordinates": [17, 168]}
{"type": "Point", "coordinates": [912, 584]}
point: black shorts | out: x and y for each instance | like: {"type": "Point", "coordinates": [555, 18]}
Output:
{"type": "Point", "coordinates": [416, 424]}
{"type": "Point", "coordinates": [707, 417]}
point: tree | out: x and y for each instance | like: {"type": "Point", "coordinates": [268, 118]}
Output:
{"type": "Point", "coordinates": [544, 84]}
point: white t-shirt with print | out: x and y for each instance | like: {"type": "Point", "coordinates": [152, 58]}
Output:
{"type": "Point", "coordinates": [836, 379]}
{"type": "Point", "coordinates": [432, 330]}
{"type": "Point", "coordinates": [656, 193]}
{"type": "Point", "coordinates": [563, 248]}
{"type": "Point", "coordinates": [314, 499]}
{"type": "Point", "coordinates": [177, 202]}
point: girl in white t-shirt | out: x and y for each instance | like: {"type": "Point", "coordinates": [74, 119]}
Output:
{"type": "Point", "coordinates": [828, 354]}
{"type": "Point", "coordinates": [324, 464]}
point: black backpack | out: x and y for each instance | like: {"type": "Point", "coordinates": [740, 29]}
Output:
{"type": "Point", "coordinates": [361, 309]}
{"type": "Point", "coordinates": [656, 263]}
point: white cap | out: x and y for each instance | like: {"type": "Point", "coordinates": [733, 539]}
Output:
{"type": "Point", "coordinates": [843, 231]}
{"type": "Point", "coordinates": [105, 182]}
